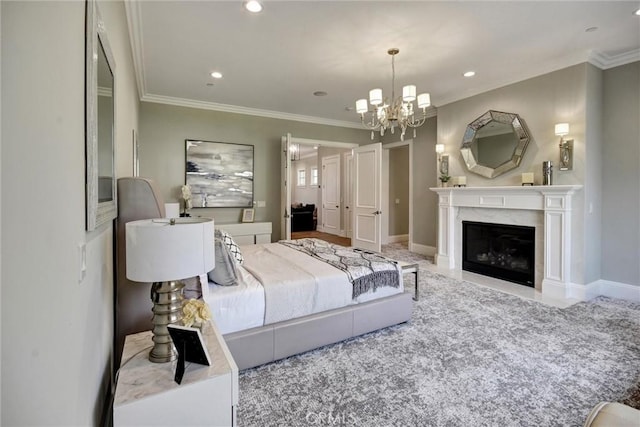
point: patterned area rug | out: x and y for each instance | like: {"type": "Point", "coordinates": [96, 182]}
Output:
{"type": "Point", "coordinates": [471, 356]}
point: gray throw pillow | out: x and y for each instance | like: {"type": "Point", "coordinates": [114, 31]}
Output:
{"type": "Point", "coordinates": [224, 272]}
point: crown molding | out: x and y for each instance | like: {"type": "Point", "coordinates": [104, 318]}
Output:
{"type": "Point", "coordinates": [605, 61]}
{"type": "Point", "coordinates": [134, 22]}
{"type": "Point", "coordinates": [236, 109]}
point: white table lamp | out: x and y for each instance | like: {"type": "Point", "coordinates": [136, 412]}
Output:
{"type": "Point", "coordinates": [164, 251]}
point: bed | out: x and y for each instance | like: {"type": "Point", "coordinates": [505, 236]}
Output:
{"type": "Point", "coordinates": [294, 296]}
{"type": "Point", "coordinates": [240, 311]}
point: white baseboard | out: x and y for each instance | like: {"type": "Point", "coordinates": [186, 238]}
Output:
{"type": "Point", "coordinates": [619, 290]}
{"type": "Point", "coordinates": [429, 251]}
{"type": "Point", "coordinates": [399, 238]}
{"type": "Point", "coordinates": [591, 290]}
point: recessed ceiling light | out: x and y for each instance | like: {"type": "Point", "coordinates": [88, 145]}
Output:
{"type": "Point", "coordinates": [637, 12]}
{"type": "Point", "coordinates": [216, 75]}
{"type": "Point", "coordinates": [320, 93]}
{"type": "Point", "coordinates": [253, 6]}
{"type": "Point", "coordinates": [591, 29]}
{"type": "Point", "coordinates": [469, 74]}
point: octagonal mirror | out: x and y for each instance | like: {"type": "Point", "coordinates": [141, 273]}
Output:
{"type": "Point", "coordinates": [494, 143]}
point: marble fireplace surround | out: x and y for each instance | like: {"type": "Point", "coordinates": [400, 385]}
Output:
{"type": "Point", "coordinates": [548, 208]}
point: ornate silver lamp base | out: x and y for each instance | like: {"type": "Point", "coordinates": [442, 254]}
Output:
{"type": "Point", "coordinates": [167, 309]}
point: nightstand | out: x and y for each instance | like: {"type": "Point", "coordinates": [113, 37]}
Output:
{"type": "Point", "coordinates": [146, 393]}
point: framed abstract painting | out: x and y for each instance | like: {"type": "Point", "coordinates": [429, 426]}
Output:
{"type": "Point", "coordinates": [220, 174]}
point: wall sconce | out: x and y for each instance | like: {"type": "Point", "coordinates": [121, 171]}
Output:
{"type": "Point", "coordinates": [443, 163]}
{"type": "Point", "coordinates": [566, 147]}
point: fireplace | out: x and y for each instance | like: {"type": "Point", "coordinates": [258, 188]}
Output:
{"type": "Point", "coordinates": [498, 250]}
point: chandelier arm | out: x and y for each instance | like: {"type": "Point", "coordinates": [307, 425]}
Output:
{"type": "Point", "coordinates": [371, 125]}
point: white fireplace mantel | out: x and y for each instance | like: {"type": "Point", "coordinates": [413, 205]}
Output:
{"type": "Point", "coordinates": [553, 200]}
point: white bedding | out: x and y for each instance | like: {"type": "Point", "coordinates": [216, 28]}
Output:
{"type": "Point", "coordinates": [295, 284]}
{"type": "Point", "coordinates": [236, 308]}
{"type": "Point", "coordinates": [279, 283]}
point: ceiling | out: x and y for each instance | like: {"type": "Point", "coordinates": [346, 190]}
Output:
{"type": "Point", "coordinates": [274, 61]}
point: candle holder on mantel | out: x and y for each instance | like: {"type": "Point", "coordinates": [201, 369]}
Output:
{"type": "Point", "coordinates": [527, 178]}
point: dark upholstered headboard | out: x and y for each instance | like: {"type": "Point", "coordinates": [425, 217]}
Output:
{"type": "Point", "coordinates": [138, 198]}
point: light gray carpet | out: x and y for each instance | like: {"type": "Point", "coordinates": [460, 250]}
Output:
{"type": "Point", "coordinates": [470, 356]}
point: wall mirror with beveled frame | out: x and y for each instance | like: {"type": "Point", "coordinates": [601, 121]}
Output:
{"type": "Point", "coordinates": [100, 66]}
{"type": "Point", "coordinates": [494, 143]}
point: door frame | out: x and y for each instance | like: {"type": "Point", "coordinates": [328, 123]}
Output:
{"type": "Point", "coordinates": [385, 178]}
{"type": "Point", "coordinates": [286, 166]}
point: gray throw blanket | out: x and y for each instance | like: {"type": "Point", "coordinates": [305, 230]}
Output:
{"type": "Point", "coordinates": [366, 270]}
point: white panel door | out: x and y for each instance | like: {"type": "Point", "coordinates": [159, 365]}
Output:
{"type": "Point", "coordinates": [367, 163]}
{"type": "Point", "coordinates": [285, 191]}
{"type": "Point", "coordinates": [331, 194]}
{"type": "Point", "coordinates": [348, 194]}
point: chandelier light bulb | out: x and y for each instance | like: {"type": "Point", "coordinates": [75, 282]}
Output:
{"type": "Point", "coordinates": [409, 93]}
{"type": "Point", "coordinates": [424, 100]}
{"type": "Point", "coordinates": [361, 106]}
{"type": "Point", "coordinates": [375, 96]}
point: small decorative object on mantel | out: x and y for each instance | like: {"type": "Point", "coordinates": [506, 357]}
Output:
{"type": "Point", "coordinates": [459, 181]}
{"type": "Point", "coordinates": [195, 312]}
{"type": "Point", "coordinates": [186, 197]}
{"type": "Point", "coordinates": [527, 178]}
{"type": "Point", "coordinates": [444, 179]}
{"type": "Point", "coordinates": [547, 172]}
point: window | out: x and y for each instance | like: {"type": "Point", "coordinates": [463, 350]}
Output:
{"type": "Point", "coordinates": [314, 176]}
{"type": "Point", "coordinates": [302, 177]}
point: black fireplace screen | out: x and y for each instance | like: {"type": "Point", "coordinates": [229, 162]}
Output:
{"type": "Point", "coordinates": [502, 251]}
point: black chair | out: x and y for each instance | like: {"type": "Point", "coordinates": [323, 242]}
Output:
{"type": "Point", "coordinates": [302, 218]}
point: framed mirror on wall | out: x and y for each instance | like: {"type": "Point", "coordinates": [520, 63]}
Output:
{"type": "Point", "coordinates": [101, 204]}
{"type": "Point", "coordinates": [494, 143]}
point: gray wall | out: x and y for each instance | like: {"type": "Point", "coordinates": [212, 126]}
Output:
{"type": "Point", "coordinates": [621, 175]}
{"type": "Point", "coordinates": [163, 129]}
{"type": "Point", "coordinates": [425, 201]}
{"type": "Point", "coordinates": [57, 331]}
{"type": "Point", "coordinates": [399, 189]}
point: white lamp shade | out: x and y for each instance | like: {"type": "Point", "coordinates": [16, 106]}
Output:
{"type": "Point", "coordinates": [160, 252]}
{"type": "Point", "coordinates": [424, 100]}
{"type": "Point", "coordinates": [409, 93]}
{"type": "Point", "coordinates": [439, 148]}
{"type": "Point", "coordinates": [361, 106]}
{"type": "Point", "coordinates": [375, 96]}
{"type": "Point", "coordinates": [562, 128]}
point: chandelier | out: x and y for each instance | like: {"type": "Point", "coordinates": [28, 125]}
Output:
{"type": "Point", "coordinates": [396, 113]}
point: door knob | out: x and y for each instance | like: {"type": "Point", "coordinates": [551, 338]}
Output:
{"type": "Point", "coordinates": [377, 212]}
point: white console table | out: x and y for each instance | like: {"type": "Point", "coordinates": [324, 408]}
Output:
{"type": "Point", "coordinates": [248, 233]}
{"type": "Point", "coordinates": [146, 393]}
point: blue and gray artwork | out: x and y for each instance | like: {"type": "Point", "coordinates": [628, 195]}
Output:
{"type": "Point", "coordinates": [220, 174]}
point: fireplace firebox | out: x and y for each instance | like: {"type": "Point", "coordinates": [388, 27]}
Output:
{"type": "Point", "coordinates": [498, 250]}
